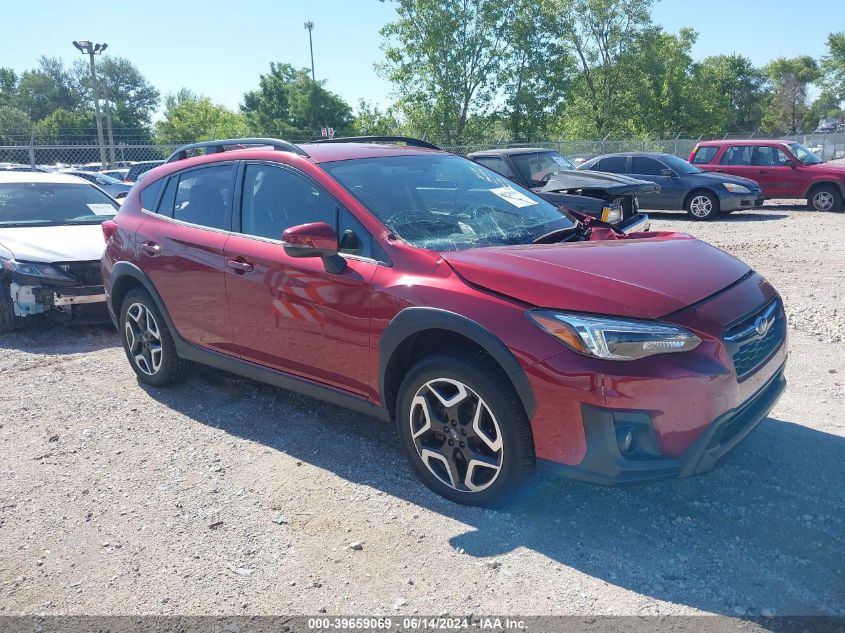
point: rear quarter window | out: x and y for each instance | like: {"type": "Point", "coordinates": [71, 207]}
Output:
{"type": "Point", "coordinates": [149, 194]}
{"type": "Point", "coordinates": [704, 155]}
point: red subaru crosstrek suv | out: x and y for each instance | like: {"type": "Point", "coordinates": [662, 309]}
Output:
{"type": "Point", "coordinates": [496, 330]}
{"type": "Point", "coordinates": [782, 168]}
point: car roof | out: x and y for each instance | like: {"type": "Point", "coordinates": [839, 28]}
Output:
{"type": "Point", "coordinates": [512, 151]}
{"type": "Point", "coordinates": [626, 154]}
{"type": "Point", "coordinates": [40, 177]}
{"type": "Point", "coordinates": [746, 141]}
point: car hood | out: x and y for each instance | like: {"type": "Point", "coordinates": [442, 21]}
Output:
{"type": "Point", "coordinates": [646, 277]}
{"type": "Point", "coordinates": [612, 183]}
{"type": "Point", "coordinates": [836, 169]}
{"type": "Point", "coordinates": [720, 177]}
{"type": "Point", "coordinates": [79, 243]}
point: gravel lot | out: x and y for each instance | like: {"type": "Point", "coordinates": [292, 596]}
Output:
{"type": "Point", "coordinates": [224, 496]}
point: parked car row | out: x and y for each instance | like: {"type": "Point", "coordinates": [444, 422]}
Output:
{"type": "Point", "coordinates": [497, 330]}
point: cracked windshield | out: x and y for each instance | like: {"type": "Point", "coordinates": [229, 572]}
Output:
{"type": "Point", "coordinates": [448, 203]}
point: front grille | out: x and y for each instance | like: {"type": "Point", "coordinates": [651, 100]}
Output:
{"type": "Point", "coordinates": [85, 273]}
{"type": "Point", "coordinates": [753, 340]}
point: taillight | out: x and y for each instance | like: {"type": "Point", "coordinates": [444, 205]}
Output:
{"type": "Point", "coordinates": [109, 229]}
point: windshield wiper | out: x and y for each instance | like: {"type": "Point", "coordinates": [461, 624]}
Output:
{"type": "Point", "coordinates": [558, 234]}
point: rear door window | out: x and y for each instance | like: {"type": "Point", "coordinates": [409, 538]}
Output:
{"type": "Point", "coordinates": [201, 196]}
{"type": "Point", "coordinates": [496, 164]}
{"type": "Point", "coordinates": [704, 155]}
{"type": "Point", "coordinates": [737, 155]}
{"type": "Point", "coordinates": [613, 164]}
{"type": "Point", "coordinates": [646, 166]}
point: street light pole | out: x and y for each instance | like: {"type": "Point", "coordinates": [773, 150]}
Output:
{"type": "Point", "coordinates": [108, 121]}
{"type": "Point", "coordinates": [309, 26]}
{"type": "Point", "coordinates": [86, 47]}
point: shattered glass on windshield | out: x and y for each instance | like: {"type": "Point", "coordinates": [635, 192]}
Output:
{"type": "Point", "coordinates": [447, 203]}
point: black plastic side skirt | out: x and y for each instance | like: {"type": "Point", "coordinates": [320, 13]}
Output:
{"type": "Point", "coordinates": [245, 368]}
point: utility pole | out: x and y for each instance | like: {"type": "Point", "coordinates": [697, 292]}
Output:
{"type": "Point", "coordinates": [86, 47]}
{"type": "Point", "coordinates": [108, 122]}
{"type": "Point", "coordinates": [309, 26]}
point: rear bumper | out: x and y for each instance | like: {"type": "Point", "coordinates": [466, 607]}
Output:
{"type": "Point", "coordinates": [604, 464]}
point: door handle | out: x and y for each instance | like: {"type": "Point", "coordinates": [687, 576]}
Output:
{"type": "Point", "coordinates": [240, 267]}
{"type": "Point", "coordinates": [721, 171]}
{"type": "Point", "coordinates": [762, 171]}
{"type": "Point", "coordinates": [150, 248]}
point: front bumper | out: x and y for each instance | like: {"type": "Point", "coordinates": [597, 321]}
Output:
{"type": "Point", "coordinates": [604, 464]}
{"type": "Point", "coordinates": [739, 201]}
{"type": "Point", "coordinates": [635, 224]}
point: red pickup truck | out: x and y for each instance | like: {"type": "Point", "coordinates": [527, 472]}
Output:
{"type": "Point", "coordinates": [782, 168]}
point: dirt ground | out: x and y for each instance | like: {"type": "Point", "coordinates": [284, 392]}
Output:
{"type": "Point", "coordinates": [223, 496]}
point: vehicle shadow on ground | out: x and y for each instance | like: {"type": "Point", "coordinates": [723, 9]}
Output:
{"type": "Point", "coordinates": [47, 337]}
{"type": "Point", "coordinates": [765, 530]}
{"type": "Point", "coordinates": [759, 215]}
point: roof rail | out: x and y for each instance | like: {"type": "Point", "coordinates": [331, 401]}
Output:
{"type": "Point", "coordinates": [414, 142]}
{"type": "Point", "coordinates": [216, 147]}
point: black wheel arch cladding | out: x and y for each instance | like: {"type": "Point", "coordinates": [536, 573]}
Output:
{"type": "Point", "coordinates": [415, 320]}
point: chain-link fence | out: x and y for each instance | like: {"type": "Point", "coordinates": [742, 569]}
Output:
{"type": "Point", "coordinates": [826, 146]}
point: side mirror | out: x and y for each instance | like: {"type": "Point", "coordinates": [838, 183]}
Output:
{"type": "Point", "coordinates": [315, 239]}
{"type": "Point", "coordinates": [789, 163]}
{"type": "Point", "coordinates": [668, 173]}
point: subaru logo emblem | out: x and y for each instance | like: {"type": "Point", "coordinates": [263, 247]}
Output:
{"type": "Point", "coordinates": [762, 325]}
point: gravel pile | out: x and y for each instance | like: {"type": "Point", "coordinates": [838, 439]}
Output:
{"type": "Point", "coordinates": [223, 496]}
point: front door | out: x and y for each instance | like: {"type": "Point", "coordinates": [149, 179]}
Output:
{"type": "Point", "coordinates": [181, 249]}
{"type": "Point", "coordinates": [289, 313]}
{"type": "Point", "coordinates": [671, 194]}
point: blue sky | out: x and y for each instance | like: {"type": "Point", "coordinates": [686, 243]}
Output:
{"type": "Point", "coordinates": [219, 48]}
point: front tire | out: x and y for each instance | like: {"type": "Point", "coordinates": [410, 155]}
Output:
{"type": "Point", "coordinates": [702, 206]}
{"type": "Point", "coordinates": [464, 430]}
{"type": "Point", "coordinates": [147, 341]}
{"type": "Point", "coordinates": [825, 198]}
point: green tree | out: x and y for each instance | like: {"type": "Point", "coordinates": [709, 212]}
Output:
{"type": "Point", "coordinates": [537, 69]}
{"type": "Point", "coordinates": [656, 86]}
{"type": "Point", "coordinates": [15, 125]}
{"type": "Point", "coordinates": [61, 126]}
{"type": "Point", "coordinates": [47, 88]}
{"type": "Point", "coordinates": [289, 103]}
{"type": "Point", "coordinates": [446, 58]}
{"type": "Point", "coordinates": [8, 87]}
{"type": "Point", "coordinates": [189, 118]}
{"type": "Point", "coordinates": [833, 65]}
{"type": "Point", "coordinates": [791, 78]}
{"type": "Point", "coordinates": [370, 120]}
{"type": "Point", "coordinates": [826, 106]}
{"type": "Point", "coordinates": [732, 94]}
{"type": "Point", "coordinates": [601, 33]}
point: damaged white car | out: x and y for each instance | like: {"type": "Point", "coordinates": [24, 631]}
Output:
{"type": "Point", "coordinates": [51, 243]}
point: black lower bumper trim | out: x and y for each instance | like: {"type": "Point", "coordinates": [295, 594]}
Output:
{"type": "Point", "coordinates": [603, 464]}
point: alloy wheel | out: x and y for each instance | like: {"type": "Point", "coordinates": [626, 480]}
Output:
{"type": "Point", "coordinates": [143, 338]}
{"type": "Point", "coordinates": [701, 206]}
{"type": "Point", "coordinates": [823, 201]}
{"type": "Point", "coordinates": [456, 435]}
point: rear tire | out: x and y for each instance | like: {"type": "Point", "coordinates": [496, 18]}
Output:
{"type": "Point", "coordinates": [463, 429]}
{"type": "Point", "coordinates": [702, 206]}
{"type": "Point", "coordinates": [825, 198]}
{"type": "Point", "coordinates": [147, 342]}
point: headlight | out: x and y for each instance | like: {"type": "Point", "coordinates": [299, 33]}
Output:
{"type": "Point", "coordinates": [612, 214]}
{"type": "Point", "coordinates": [734, 188]}
{"type": "Point", "coordinates": [34, 269]}
{"type": "Point", "coordinates": [611, 338]}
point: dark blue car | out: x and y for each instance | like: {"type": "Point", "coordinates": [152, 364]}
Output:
{"type": "Point", "coordinates": [682, 186]}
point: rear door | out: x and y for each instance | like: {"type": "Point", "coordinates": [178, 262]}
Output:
{"type": "Point", "coordinates": [672, 192]}
{"type": "Point", "coordinates": [181, 251]}
{"type": "Point", "coordinates": [288, 313]}
{"type": "Point", "coordinates": [777, 179]}
{"type": "Point", "coordinates": [737, 160]}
